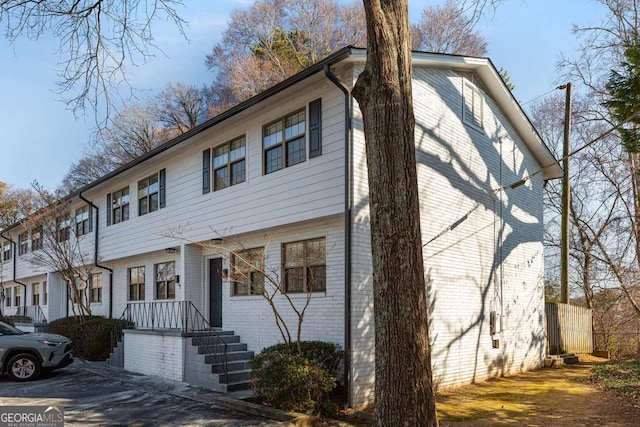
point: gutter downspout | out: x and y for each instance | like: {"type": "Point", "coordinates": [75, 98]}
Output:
{"type": "Point", "coordinates": [15, 258]}
{"type": "Point", "coordinates": [95, 253]}
{"type": "Point", "coordinates": [347, 229]}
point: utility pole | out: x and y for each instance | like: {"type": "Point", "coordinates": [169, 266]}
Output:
{"type": "Point", "coordinates": [566, 199]}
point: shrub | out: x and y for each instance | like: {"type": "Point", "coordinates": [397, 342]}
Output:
{"type": "Point", "coordinates": [298, 382]}
{"type": "Point", "coordinates": [328, 355]}
{"type": "Point", "coordinates": [6, 320]}
{"type": "Point", "coordinates": [91, 336]}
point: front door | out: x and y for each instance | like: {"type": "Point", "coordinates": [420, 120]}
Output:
{"type": "Point", "coordinates": [215, 292]}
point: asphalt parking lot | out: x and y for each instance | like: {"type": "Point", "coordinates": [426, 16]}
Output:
{"type": "Point", "coordinates": [95, 394]}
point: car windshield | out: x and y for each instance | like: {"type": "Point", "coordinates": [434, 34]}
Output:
{"type": "Point", "coordinates": [6, 329]}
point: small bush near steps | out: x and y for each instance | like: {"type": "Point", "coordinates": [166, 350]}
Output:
{"type": "Point", "coordinates": [300, 382]}
{"type": "Point", "coordinates": [91, 337]}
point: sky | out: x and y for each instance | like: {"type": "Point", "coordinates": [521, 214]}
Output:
{"type": "Point", "coordinates": [40, 138]}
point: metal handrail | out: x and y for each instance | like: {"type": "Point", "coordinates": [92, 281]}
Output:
{"type": "Point", "coordinates": [171, 315]}
{"type": "Point", "coordinates": [30, 314]}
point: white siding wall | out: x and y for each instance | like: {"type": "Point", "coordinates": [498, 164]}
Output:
{"type": "Point", "coordinates": [148, 261]}
{"type": "Point", "coordinates": [308, 190]}
{"type": "Point", "coordinates": [159, 353]}
{"type": "Point", "coordinates": [195, 288]}
{"type": "Point", "coordinates": [251, 316]}
{"type": "Point", "coordinates": [492, 261]}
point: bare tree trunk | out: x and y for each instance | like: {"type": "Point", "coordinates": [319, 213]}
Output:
{"type": "Point", "coordinates": [404, 390]}
{"type": "Point", "coordinates": [634, 159]}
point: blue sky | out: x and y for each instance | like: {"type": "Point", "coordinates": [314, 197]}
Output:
{"type": "Point", "coordinates": [40, 138]}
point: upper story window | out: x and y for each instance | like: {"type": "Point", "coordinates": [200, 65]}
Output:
{"type": "Point", "coordinates": [166, 280]}
{"type": "Point", "coordinates": [148, 194]}
{"type": "Point", "coordinates": [229, 167]}
{"type": "Point", "coordinates": [151, 193]}
{"type": "Point", "coordinates": [23, 243]}
{"type": "Point", "coordinates": [305, 266]}
{"type": "Point", "coordinates": [83, 220]}
{"type": "Point", "coordinates": [473, 108]}
{"type": "Point", "coordinates": [283, 142]}
{"type": "Point", "coordinates": [6, 251]}
{"type": "Point", "coordinates": [36, 238]}
{"type": "Point", "coordinates": [64, 228]}
{"type": "Point", "coordinates": [248, 276]}
{"type": "Point", "coordinates": [118, 205]}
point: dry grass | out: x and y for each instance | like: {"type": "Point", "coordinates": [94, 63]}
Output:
{"type": "Point", "coordinates": [546, 397]}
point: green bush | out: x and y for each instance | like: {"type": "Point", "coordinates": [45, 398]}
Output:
{"type": "Point", "coordinates": [6, 320]}
{"type": "Point", "coordinates": [91, 337]}
{"type": "Point", "coordinates": [298, 382]}
{"type": "Point", "coordinates": [328, 355]}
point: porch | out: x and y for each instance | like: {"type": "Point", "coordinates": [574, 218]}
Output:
{"type": "Point", "coordinates": [30, 318]}
{"type": "Point", "coordinates": [172, 339]}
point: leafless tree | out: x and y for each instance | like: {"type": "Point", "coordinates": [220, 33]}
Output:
{"type": "Point", "coordinates": [180, 107]}
{"type": "Point", "coordinates": [601, 44]}
{"type": "Point", "coordinates": [61, 248]}
{"type": "Point", "coordinates": [448, 29]}
{"type": "Point", "coordinates": [15, 204]}
{"type": "Point", "coordinates": [272, 40]}
{"type": "Point", "coordinates": [97, 40]}
{"type": "Point", "coordinates": [138, 129]}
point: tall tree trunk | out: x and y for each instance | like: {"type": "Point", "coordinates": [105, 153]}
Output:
{"type": "Point", "coordinates": [404, 390]}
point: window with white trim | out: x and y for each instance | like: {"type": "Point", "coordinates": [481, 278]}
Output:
{"type": "Point", "coordinates": [45, 293]}
{"type": "Point", "coordinates": [229, 166]}
{"type": "Point", "coordinates": [136, 283]}
{"type": "Point", "coordinates": [35, 294]}
{"type": "Point", "coordinates": [166, 280]}
{"type": "Point", "coordinates": [64, 229]}
{"type": "Point", "coordinates": [23, 243]}
{"type": "Point", "coordinates": [6, 251]}
{"type": "Point", "coordinates": [17, 294]}
{"type": "Point", "coordinates": [119, 206]}
{"type": "Point", "coordinates": [7, 297]}
{"type": "Point", "coordinates": [248, 276]}
{"type": "Point", "coordinates": [304, 265]}
{"type": "Point", "coordinates": [148, 194]}
{"type": "Point", "coordinates": [95, 292]}
{"type": "Point", "coordinates": [283, 142]}
{"type": "Point", "coordinates": [36, 238]}
{"type": "Point", "coordinates": [83, 220]}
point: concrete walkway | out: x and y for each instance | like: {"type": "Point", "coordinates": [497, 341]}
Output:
{"type": "Point", "coordinates": [96, 394]}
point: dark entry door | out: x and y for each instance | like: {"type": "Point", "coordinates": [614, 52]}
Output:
{"type": "Point", "coordinates": [215, 292]}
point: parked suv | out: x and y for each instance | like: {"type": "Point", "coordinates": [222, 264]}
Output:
{"type": "Point", "coordinates": [23, 356]}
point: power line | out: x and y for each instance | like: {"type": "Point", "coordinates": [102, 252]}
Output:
{"type": "Point", "coordinates": [523, 181]}
{"type": "Point", "coordinates": [568, 156]}
{"type": "Point", "coordinates": [540, 96]}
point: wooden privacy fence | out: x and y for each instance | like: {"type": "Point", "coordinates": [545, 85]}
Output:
{"type": "Point", "coordinates": [569, 329]}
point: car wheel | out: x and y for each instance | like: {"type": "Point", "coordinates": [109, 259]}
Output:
{"type": "Point", "coordinates": [24, 367]}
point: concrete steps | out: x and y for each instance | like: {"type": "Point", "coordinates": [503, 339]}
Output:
{"type": "Point", "coordinates": [238, 359]}
{"type": "Point", "coordinates": [559, 360]}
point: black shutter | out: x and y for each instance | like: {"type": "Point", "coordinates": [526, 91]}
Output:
{"type": "Point", "coordinates": [315, 128]}
{"type": "Point", "coordinates": [162, 190]}
{"type": "Point", "coordinates": [90, 218]}
{"type": "Point", "coordinates": [206, 171]}
{"type": "Point", "coordinates": [109, 209]}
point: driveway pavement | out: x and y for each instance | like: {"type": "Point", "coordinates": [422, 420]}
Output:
{"type": "Point", "coordinates": [96, 394]}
